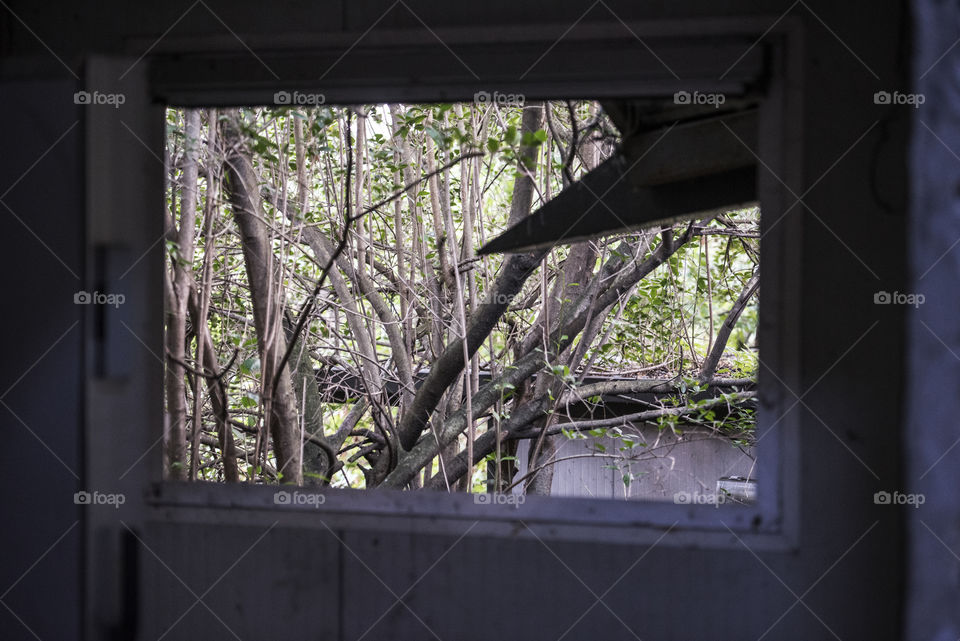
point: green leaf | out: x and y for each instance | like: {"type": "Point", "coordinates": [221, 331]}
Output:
{"type": "Point", "coordinates": [435, 134]}
{"type": "Point", "coordinates": [250, 365]}
{"type": "Point", "coordinates": [533, 138]}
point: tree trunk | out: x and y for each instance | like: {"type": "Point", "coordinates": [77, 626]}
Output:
{"type": "Point", "coordinates": [177, 309]}
{"type": "Point", "coordinates": [514, 272]}
{"type": "Point", "coordinates": [280, 410]}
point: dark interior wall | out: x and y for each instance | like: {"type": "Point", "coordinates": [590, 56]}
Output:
{"type": "Point", "coordinates": [41, 384]}
{"type": "Point", "coordinates": [851, 364]}
{"type": "Point", "coordinates": [72, 30]}
{"type": "Point", "coordinates": [933, 339]}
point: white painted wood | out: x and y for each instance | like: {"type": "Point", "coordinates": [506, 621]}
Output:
{"type": "Point", "coordinates": [689, 463]}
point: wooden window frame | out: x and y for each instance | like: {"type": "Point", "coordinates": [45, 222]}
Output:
{"type": "Point", "coordinates": [183, 79]}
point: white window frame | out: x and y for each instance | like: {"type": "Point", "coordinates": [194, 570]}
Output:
{"type": "Point", "coordinates": [769, 524]}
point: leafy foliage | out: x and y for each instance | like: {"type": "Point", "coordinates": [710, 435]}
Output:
{"type": "Point", "coordinates": [397, 253]}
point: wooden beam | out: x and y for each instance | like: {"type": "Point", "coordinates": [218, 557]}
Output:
{"type": "Point", "coordinates": [677, 173]}
{"type": "Point", "coordinates": [606, 202]}
{"type": "Point", "coordinates": [693, 149]}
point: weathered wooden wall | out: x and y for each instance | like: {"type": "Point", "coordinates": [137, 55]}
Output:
{"type": "Point", "coordinates": [691, 463]}
{"type": "Point", "coordinates": [844, 577]}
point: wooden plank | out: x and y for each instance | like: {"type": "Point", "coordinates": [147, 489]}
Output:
{"type": "Point", "coordinates": [400, 66]}
{"type": "Point", "coordinates": [674, 173]}
{"type": "Point", "coordinates": [240, 574]}
{"type": "Point", "coordinates": [694, 149]}
{"type": "Point", "coordinates": [609, 200]}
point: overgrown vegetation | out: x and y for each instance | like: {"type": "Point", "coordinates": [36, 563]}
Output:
{"type": "Point", "coordinates": [322, 273]}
